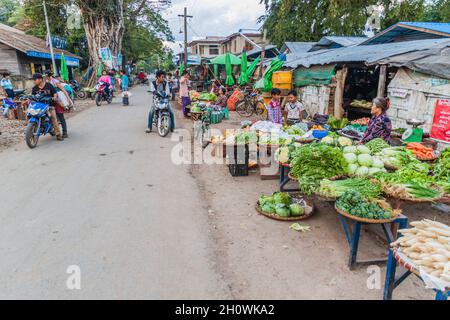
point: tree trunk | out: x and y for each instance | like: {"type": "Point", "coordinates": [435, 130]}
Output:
{"type": "Point", "coordinates": [103, 31]}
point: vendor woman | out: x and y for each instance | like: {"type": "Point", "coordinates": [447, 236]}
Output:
{"type": "Point", "coordinates": [380, 126]}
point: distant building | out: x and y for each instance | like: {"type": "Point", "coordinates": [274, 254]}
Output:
{"type": "Point", "coordinates": [21, 55]}
{"type": "Point", "coordinates": [209, 47]}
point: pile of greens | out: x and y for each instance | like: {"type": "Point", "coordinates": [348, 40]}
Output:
{"type": "Point", "coordinates": [336, 189]}
{"type": "Point", "coordinates": [442, 168]}
{"type": "Point", "coordinates": [281, 204]}
{"type": "Point", "coordinates": [354, 203]}
{"type": "Point", "coordinates": [377, 145]}
{"type": "Point", "coordinates": [337, 124]}
{"type": "Point", "coordinates": [397, 157]}
{"type": "Point", "coordinates": [246, 137]}
{"type": "Point", "coordinates": [315, 162]}
{"type": "Point", "coordinates": [208, 97]}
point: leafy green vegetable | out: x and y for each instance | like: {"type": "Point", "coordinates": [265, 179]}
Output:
{"type": "Point", "coordinates": [354, 203]}
{"type": "Point", "coordinates": [336, 189]}
{"type": "Point", "coordinates": [282, 198]}
{"type": "Point", "coordinates": [337, 124]}
{"type": "Point", "coordinates": [377, 145]}
{"type": "Point", "coordinates": [282, 210]}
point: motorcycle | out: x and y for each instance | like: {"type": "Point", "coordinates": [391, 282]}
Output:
{"type": "Point", "coordinates": [39, 120]}
{"type": "Point", "coordinates": [101, 94]}
{"type": "Point", "coordinates": [8, 104]}
{"type": "Point", "coordinates": [78, 90]}
{"type": "Point", "coordinates": [161, 117]}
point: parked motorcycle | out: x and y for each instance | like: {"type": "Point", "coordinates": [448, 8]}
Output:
{"type": "Point", "coordinates": [39, 120]}
{"type": "Point", "coordinates": [78, 90]}
{"type": "Point", "coordinates": [101, 94]}
{"type": "Point", "coordinates": [161, 117]}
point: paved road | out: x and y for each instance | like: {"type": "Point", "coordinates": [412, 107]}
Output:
{"type": "Point", "coordinates": [110, 201]}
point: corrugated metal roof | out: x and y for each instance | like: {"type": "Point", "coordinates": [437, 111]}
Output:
{"type": "Point", "coordinates": [25, 43]}
{"type": "Point", "coordinates": [435, 26]}
{"type": "Point", "coordinates": [435, 61]}
{"type": "Point", "coordinates": [297, 48]}
{"type": "Point", "coordinates": [365, 54]}
{"type": "Point", "coordinates": [343, 41]}
{"type": "Point", "coordinates": [408, 31]}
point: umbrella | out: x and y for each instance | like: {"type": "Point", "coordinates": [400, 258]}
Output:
{"type": "Point", "coordinates": [100, 70]}
{"type": "Point", "coordinates": [222, 59]}
{"type": "Point", "coordinates": [181, 69]}
{"type": "Point", "coordinates": [252, 67]}
{"type": "Point", "coordinates": [216, 71]}
{"type": "Point", "coordinates": [265, 84]}
{"type": "Point", "coordinates": [64, 70]}
{"type": "Point", "coordinates": [244, 79]}
{"type": "Point", "coordinates": [228, 67]}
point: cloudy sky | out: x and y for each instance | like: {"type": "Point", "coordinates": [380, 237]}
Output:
{"type": "Point", "coordinates": [213, 17]}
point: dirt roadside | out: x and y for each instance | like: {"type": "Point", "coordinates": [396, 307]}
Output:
{"type": "Point", "coordinates": [13, 131]}
{"type": "Point", "coordinates": [264, 259]}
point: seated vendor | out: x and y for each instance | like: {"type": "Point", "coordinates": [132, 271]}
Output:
{"type": "Point", "coordinates": [222, 98]}
{"type": "Point", "coordinates": [380, 126]}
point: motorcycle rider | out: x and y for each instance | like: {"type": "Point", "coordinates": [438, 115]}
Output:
{"type": "Point", "coordinates": [45, 89]}
{"type": "Point", "coordinates": [105, 78]}
{"type": "Point", "coordinates": [160, 85]}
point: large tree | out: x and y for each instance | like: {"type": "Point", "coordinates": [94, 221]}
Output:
{"type": "Point", "coordinates": [309, 20]}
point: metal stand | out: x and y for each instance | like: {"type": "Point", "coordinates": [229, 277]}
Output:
{"type": "Point", "coordinates": [393, 280]}
{"type": "Point", "coordinates": [353, 236]}
{"type": "Point", "coordinates": [284, 179]}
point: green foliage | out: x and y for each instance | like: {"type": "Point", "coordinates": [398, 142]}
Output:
{"type": "Point", "coordinates": [310, 20]}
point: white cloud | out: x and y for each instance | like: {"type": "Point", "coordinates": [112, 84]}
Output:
{"type": "Point", "coordinates": [214, 17]}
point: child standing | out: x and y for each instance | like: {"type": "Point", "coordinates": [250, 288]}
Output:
{"type": "Point", "coordinates": [274, 107]}
{"type": "Point", "coordinates": [62, 120]}
{"type": "Point", "coordinates": [294, 108]}
{"type": "Point", "coordinates": [124, 83]}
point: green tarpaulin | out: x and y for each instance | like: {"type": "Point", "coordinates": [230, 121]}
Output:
{"type": "Point", "coordinates": [316, 75]}
{"type": "Point", "coordinates": [229, 69]}
{"type": "Point", "coordinates": [244, 79]}
{"type": "Point", "coordinates": [64, 70]}
{"type": "Point", "coordinates": [222, 59]}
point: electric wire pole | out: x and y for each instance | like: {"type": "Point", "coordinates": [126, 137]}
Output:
{"type": "Point", "coordinates": [49, 36]}
{"type": "Point", "coordinates": [185, 16]}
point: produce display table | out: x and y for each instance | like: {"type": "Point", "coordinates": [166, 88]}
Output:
{"type": "Point", "coordinates": [285, 178]}
{"type": "Point", "coordinates": [353, 236]}
{"type": "Point", "coordinates": [393, 281]}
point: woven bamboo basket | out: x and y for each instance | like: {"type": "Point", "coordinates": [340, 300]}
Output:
{"type": "Point", "coordinates": [278, 218]}
{"type": "Point", "coordinates": [363, 220]}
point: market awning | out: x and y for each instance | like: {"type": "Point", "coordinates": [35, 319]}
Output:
{"type": "Point", "coordinates": [222, 59]}
{"type": "Point", "coordinates": [315, 75]}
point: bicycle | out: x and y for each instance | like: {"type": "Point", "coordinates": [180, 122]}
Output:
{"type": "Point", "coordinates": [202, 130]}
{"type": "Point", "coordinates": [252, 104]}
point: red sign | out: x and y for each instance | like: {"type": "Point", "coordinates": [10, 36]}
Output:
{"type": "Point", "coordinates": [441, 123]}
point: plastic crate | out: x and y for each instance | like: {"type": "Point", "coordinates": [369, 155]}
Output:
{"type": "Point", "coordinates": [238, 160]}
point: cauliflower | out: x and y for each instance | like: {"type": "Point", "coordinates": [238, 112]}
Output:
{"type": "Point", "coordinates": [328, 140]}
{"type": "Point", "coordinates": [345, 142]}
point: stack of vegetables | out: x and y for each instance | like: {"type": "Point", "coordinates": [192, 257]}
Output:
{"type": "Point", "coordinates": [442, 171]}
{"type": "Point", "coordinates": [413, 181]}
{"type": "Point", "coordinates": [421, 152]}
{"type": "Point", "coordinates": [427, 245]}
{"type": "Point", "coordinates": [396, 157]}
{"type": "Point", "coordinates": [246, 137]}
{"type": "Point", "coordinates": [207, 97]}
{"type": "Point", "coordinates": [337, 124]}
{"type": "Point", "coordinates": [194, 95]}
{"type": "Point", "coordinates": [352, 202]}
{"type": "Point", "coordinates": [377, 145]}
{"type": "Point", "coordinates": [285, 154]}
{"type": "Point", "coordinates": [315, 162]}
{"type": "Point", "coordinates": [362, 122]}
{"type": "Point", "coordinates": [361, 163]}
{"type": "Point", "coordinates": [335, 140]}
{"type": "Point", "coordinates": [336, 189]}
{"type": "Point", "coordinates": [282, 205]}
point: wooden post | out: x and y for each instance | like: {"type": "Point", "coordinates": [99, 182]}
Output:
{"type": "Point", "coordinates": [341, 77]}
{"type": "Point", "coordinates": [382, 81]}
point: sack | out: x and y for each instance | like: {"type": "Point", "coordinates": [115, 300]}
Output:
{"type": "Point", "coordinates": [63, 101]}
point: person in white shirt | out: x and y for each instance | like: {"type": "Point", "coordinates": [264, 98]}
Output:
{"type": "Point", "coordinates": [293, 108]}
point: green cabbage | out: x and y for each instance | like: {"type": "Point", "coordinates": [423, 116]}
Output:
{"type": "Point", "coordinates": [365, 160]}
{"type": "Point", "coordinates": [282, 210]}
{"type": "Point", "coordinates": [352, 168]}
{"type": "Point", "coordinates": [350, 157]}
{"type": "Point", "coordinates": [362, 171]}
{"type": "Point", "coordinates": [350, 149]}
{"type": "Point", "coordinates": [363, 150]}
{"type": "Point", "coordinates": [296, 210]}
{"type": "Point", "coordinates": [282, 198]}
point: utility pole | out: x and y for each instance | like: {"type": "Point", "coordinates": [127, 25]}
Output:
{"type": "Point", "coordinates": [263, 53]}
{"type": "Point", "coordinates": [185, 16]}
{"type": "Point", "coordinates": [49, 36]}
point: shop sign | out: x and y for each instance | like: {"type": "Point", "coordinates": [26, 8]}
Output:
{"type": "Point", "coordinates": [399, 93]}
{"type": "Point", "coordinates": [440, 129]}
